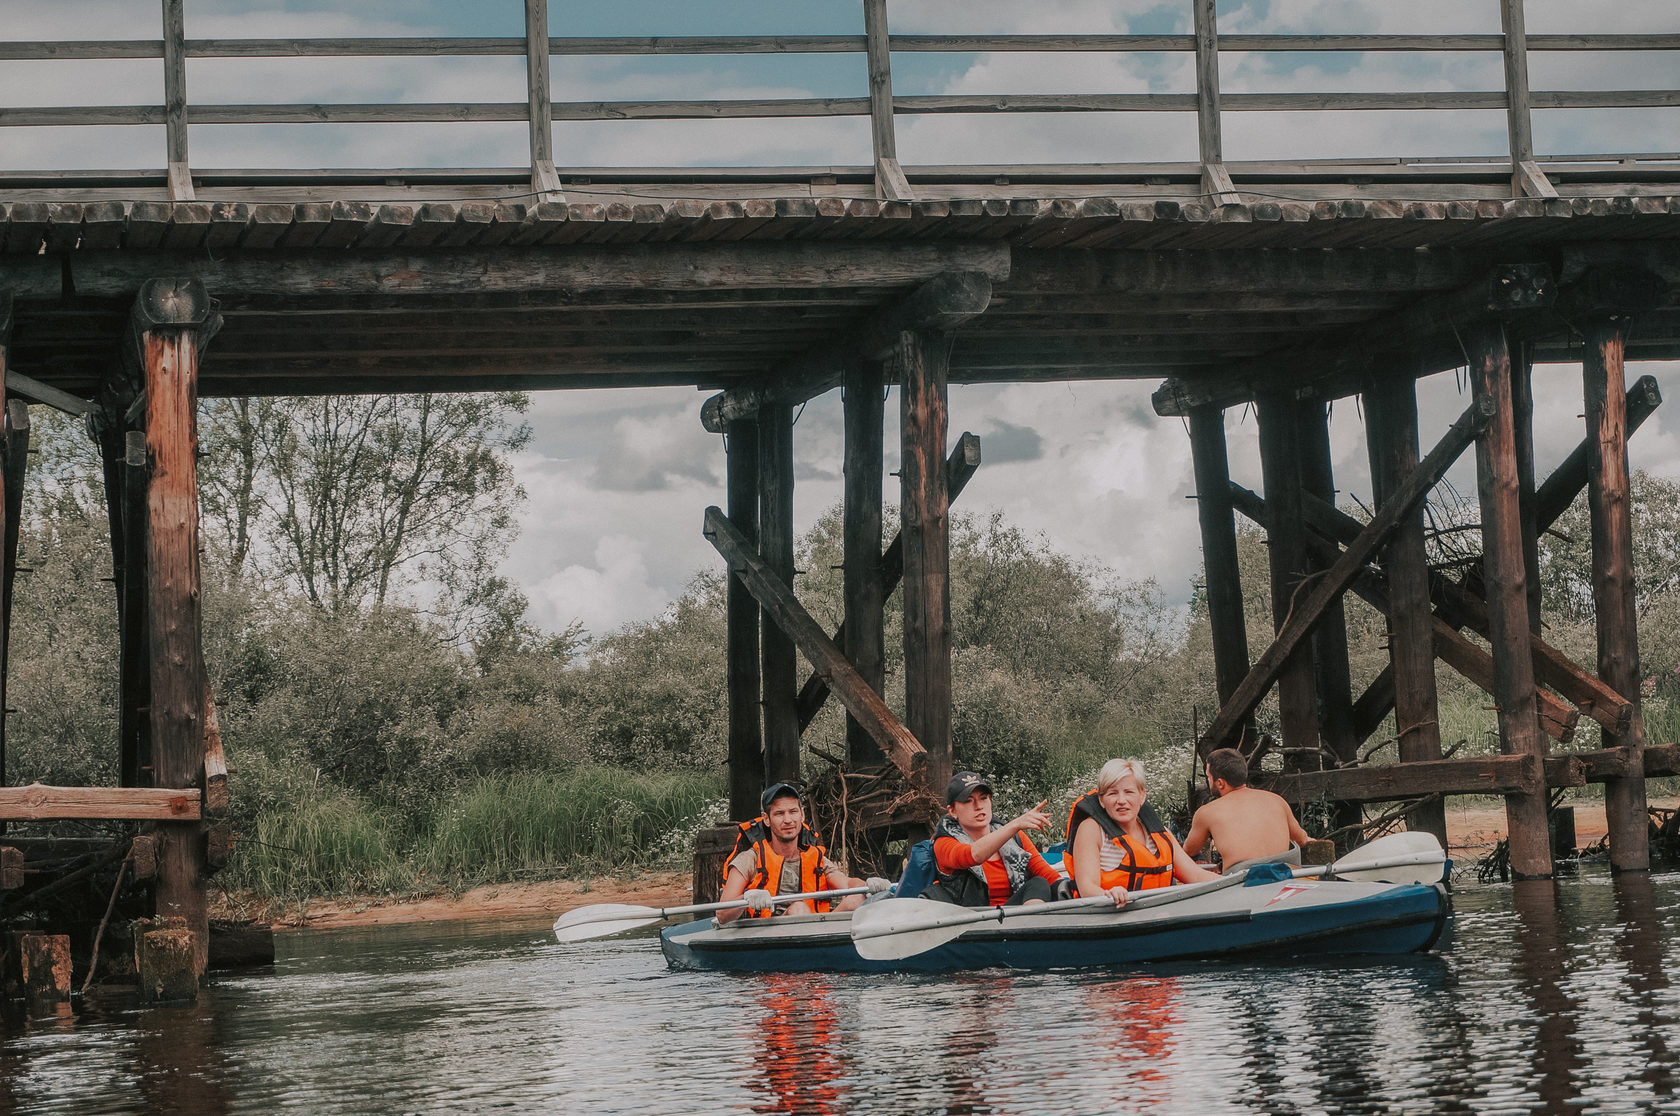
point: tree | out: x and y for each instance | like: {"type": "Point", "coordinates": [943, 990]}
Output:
{"type": "Point", "coordinates": [348, 498]}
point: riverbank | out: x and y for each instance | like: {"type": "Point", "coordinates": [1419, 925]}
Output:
{"type": "Point", "coordinates": [1471, 833]}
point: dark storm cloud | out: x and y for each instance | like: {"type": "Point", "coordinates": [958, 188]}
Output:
{"type": "Point", "coordinates": [1006, 442]}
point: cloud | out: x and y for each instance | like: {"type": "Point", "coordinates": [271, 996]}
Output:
{"type": "Point", "coordinates": [1005, 442]}
{"type": "Point", "coordinates": [603, 594]}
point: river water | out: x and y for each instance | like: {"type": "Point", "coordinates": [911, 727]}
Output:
{"type": "Point", "coordinates": [1544, 1000]}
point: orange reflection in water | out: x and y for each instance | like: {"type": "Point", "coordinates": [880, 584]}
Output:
{"type": "Point", "coordinates": [799, 1070]}
{"type": "Point", "coordinates": [1135, 1024]}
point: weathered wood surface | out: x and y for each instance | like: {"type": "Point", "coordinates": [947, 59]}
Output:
{"type": "Point", "coordinates": [1309, 610]}
{"type": "Point", "coordinates": [864, 590]}
{"type": "Point", "coordinates": [1503, 775]}
{"type": "Point", "coordinates": [1617, 619]}
{"type": "Point", "coordinates": [924, 519]}
{"type": "Point", "coordinates": [959, 468]}
{"type": "Point", "coordinates": [16, 456]}
{"type": "Point", "coordinates": [785, 611]}
{"type": "Point", "coordinates": [741, 666]}
{"type": "Point", "coordinates": [37, 802]}
{"type": "Point", "coordinates": [778, 667]}
{"type": "Point", "coordinates": [1281, 451]}
{"type": "Point", "coordinates": [1226, 616]}
{"type": "Point", "coordinates": [1505, 577]}
{"type": "Point", "coordinates": [215, 761]}
{"type": "Point", "coordinates": [11, 868]}
{"type": "Point", "coordinates": [890, 182]}
{"type": "Point", "coordinates": [1564, 483]}
{"type": "Point", "coordinates": [941, 304]}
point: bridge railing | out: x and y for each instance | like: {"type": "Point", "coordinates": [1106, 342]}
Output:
{"type": "Point", "coordinates": [177, 113]}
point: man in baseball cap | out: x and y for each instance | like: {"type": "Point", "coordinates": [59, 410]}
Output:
{"type": "Point", "coordinates": [783, 858]}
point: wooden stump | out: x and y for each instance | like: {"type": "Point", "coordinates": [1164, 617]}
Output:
{"type": "Point", "coordinates": [711, 851]}
{"type": "Point", "coordinates": [166, 959]}
{"type": "Point", "coordinates": [44, 971]}
{"type": "Point", "coordinates": [1318, 852]}
{"type": "Point", "coordinates": [11, 869]}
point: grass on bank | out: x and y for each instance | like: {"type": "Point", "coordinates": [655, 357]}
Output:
{"type": "Point", "coordinates": [587, 821]}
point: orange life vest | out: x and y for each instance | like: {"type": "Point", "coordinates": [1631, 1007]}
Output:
{"type": "Point", "coordinates": [1140, 868]}
{"type": "Point", "coordinates": [769, 874]}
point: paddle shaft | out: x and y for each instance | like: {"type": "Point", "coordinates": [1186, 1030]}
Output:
{"type": "Point", "coordinates": [614, 913]}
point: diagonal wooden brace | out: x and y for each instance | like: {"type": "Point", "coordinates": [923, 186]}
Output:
{"type": "Point", "coordinates": [1336, 580]}
{"type": "Point", "coordinates": [959, 467]}
{"type": "Point", "coordinates": [780, 605]}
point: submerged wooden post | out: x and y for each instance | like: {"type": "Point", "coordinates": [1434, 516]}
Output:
{"type": "Point", "coordinates": [924, 509]}
{"type": "Point", "coordinates": [780, 679]}
{"type": "Point", "coordinates": [1280, 466]}
{"type": "Point", "coordinates": [1613, 585]}
{"type": "Point", "coordinates": [1505, 577]}
{"type": "Point", "coordinates": [746, 734]}
{"type": "Point", "coordinates": [865, 592]}
{"type": "Point", "coordinates": [170, 322]}
{"type": "Point", "coordinates": [1223, 592]}
{"type": "Point", "coordinates": [1391, 419]}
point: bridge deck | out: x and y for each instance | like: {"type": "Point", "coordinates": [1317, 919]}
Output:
{"type": "Point", "coordinates": [358, 295]}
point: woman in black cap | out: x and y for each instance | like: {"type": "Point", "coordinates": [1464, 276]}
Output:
{"type": "Point", "coordinates": [985, 863]}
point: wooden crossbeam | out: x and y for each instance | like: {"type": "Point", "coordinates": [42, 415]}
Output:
{"type": "Point", "coordinates": [1336, 580]}
{"type": "Point", "coordinates": [780, 605]}
{"type": "Point", "coordinates": [1558, 718]}
{"type": "Point", "coordinates": [939, 305]}
{"type": "Point", "coordinates": [959, 467]}
{"type": "Point", "coordinates": [1559, 490]}
{"type": "Point", "coordinates": [1425, 331]}
{"type": "Point", "coordinates": [38, 802]}
{"type": "Point", "coordinates": [1520, 774]}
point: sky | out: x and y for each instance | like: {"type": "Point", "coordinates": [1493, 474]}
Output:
{"type": "Point", "coordinates": [618, 480]}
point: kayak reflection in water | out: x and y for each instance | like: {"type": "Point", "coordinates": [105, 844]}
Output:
{"type": "Point", "coordinates": [1117, 844]}
{"type": "Point", "coordinates": [986, 863]}
{"type": "Point", "coordinates": [782, 858]}
{"type": "Point", "coordinates": [797, 1042]}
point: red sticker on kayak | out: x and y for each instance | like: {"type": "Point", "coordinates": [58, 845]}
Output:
{"type": "Point", "coordinates": [1288, 891]}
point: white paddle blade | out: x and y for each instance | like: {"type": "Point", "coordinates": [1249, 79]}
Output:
{"type": "Point", "coordinates": [898, 928]}
{"type": "Point", "coordinates": [1411, 868]}
{"type": "Point", "coordinates": [600, 919]}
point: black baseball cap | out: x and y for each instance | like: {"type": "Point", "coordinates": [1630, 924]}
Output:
{"type": "Point", "coordinates": [779, 790]}
{"type": "Point", "coordinates": [963, 784]}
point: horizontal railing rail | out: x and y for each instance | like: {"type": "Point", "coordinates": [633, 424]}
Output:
{"type": "Point", "coordinates": [878, 102]}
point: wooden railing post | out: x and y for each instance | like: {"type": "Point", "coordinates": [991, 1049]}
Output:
{"type": "Point", "coordinates": [746, 733]}
{"type": "Point", "coordinates": [890, 182]}
{"type": "Point", "coordinates": [1617, 620]}
{"type": "Point", "coordinates": [175, 99]}
{"type": "Point", "coordinates": [1526, 176]}
{"type": "Point", "coordinates": [1216, 180]}
{"type": "Point", "coordinates": [545, 180]}
{"type": "Point", "coordinates": [1504, 575]}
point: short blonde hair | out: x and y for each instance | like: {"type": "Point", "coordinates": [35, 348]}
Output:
{"type": "Point", "coordinates": [1116, 769]}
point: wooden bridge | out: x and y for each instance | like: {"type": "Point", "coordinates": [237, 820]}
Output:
{"type": "Point", "coordinates": [126, 295]}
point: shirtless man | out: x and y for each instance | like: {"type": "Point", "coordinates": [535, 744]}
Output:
{"type": "Point", "coordinates": [1245, 823]}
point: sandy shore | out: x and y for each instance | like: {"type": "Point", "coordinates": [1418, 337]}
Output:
{"type": "Point", "coordinates": [1471, 833]}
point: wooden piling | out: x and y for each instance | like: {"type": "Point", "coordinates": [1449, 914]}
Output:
{"type": "Point", "coordinates": [1391, 422]}
{"type": "Point", "coordinates": [1613, 585]}
{"type": "Point", "coordinates": [1280, 467]}
{"type": "Point", "coordinates": [165, 959]}
{"type": "Point", "coordinates": [865, 597]}
{"type": "Point", "coordinates": [1522, 418]}
{"type": "Point", "coordinates": [921, 361]}
{"type": "Point", "coordinates": [44, 971]}
{"type": "Point", "coordinates": [1505, 577]}
{"type": "Point", "coordinates": [8, 530]}
{"type": "Point", "coordinates": [1329, 641]}
{"type": "Point", "coordinates": [746, 734]}
{"type": "Point", "coordinates": [1226, 621]}
{"type": "Point", "coordinates": [169, 318]}
{"type": "Point", "coordinates": [779, 667]}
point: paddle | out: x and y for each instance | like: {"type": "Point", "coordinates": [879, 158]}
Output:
{"type": "Point", "coordinates": [899, 928]}
{"type": "Point", "coordinates": [600, 919]}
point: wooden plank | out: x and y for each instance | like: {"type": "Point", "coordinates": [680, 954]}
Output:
{"type": "Point", "coordinates": [671, 267]}
{"type": "Point", "coordinates": [941, 304]}
{"type": "Point", "coordinates": [215, 761]}
{"type": "Point", "coordinates": [778, 670]}
{"type": "Point", "coordinates": [11, 869]}
{"type": "Point", "coordinates": [863, 578]}
{"type": "Point", "coordinates": [1216, 181]}
{"type": "Point", "coordinates": [779, 602]}
{"type": "Point", "coordinates": [539, 96]}
{"type": "Point", "coordinates": [1335, 580]}
{"type": "Point", "coordinates": [746, 734]}
{"type": "Point", "coordinates": [1565, 483]}
{"type": "Point", "coordinates": [175, 99]}
{"type": "Point", "coordinates": [1271, 272]}
{"type": "Point", "coordinates": [16, 459]}
{"type": "Point", "coordinates": [1226, 616]}
{"type": "Point", "coordinates": [1504, 575]}
{"type": "Point", "coordinates": [1614, 605]}
{"type": "Point", "coordinates": [960, 467]}
{"type": "Point", "coordinates": [1506, 775]}
{"type": "Point", "coordinates": [924, 517]}
{"type": "Point", "coordinates": [37, 802]}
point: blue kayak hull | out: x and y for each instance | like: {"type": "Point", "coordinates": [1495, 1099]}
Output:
{"type": "Point", "coordinates": [1396, 919]}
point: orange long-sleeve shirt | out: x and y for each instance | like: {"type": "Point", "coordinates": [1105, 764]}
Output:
{"type": "Point", "coordinates": [954, 856]}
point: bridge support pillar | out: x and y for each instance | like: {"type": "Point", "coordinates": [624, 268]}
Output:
{"type": "Point", "coordinates": [921, 359]}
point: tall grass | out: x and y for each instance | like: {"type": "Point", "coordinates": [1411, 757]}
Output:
{"type": "Point", "coordinates": [330, 842]}
{"type": "Point", "coordinates": [589, 820]}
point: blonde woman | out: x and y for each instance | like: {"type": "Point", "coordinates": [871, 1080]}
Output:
{"type": "Point", "coordinates": [1113, 848]}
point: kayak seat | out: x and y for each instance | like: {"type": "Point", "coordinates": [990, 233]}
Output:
{"type": "Point", "coordinates": [1274, 872]}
